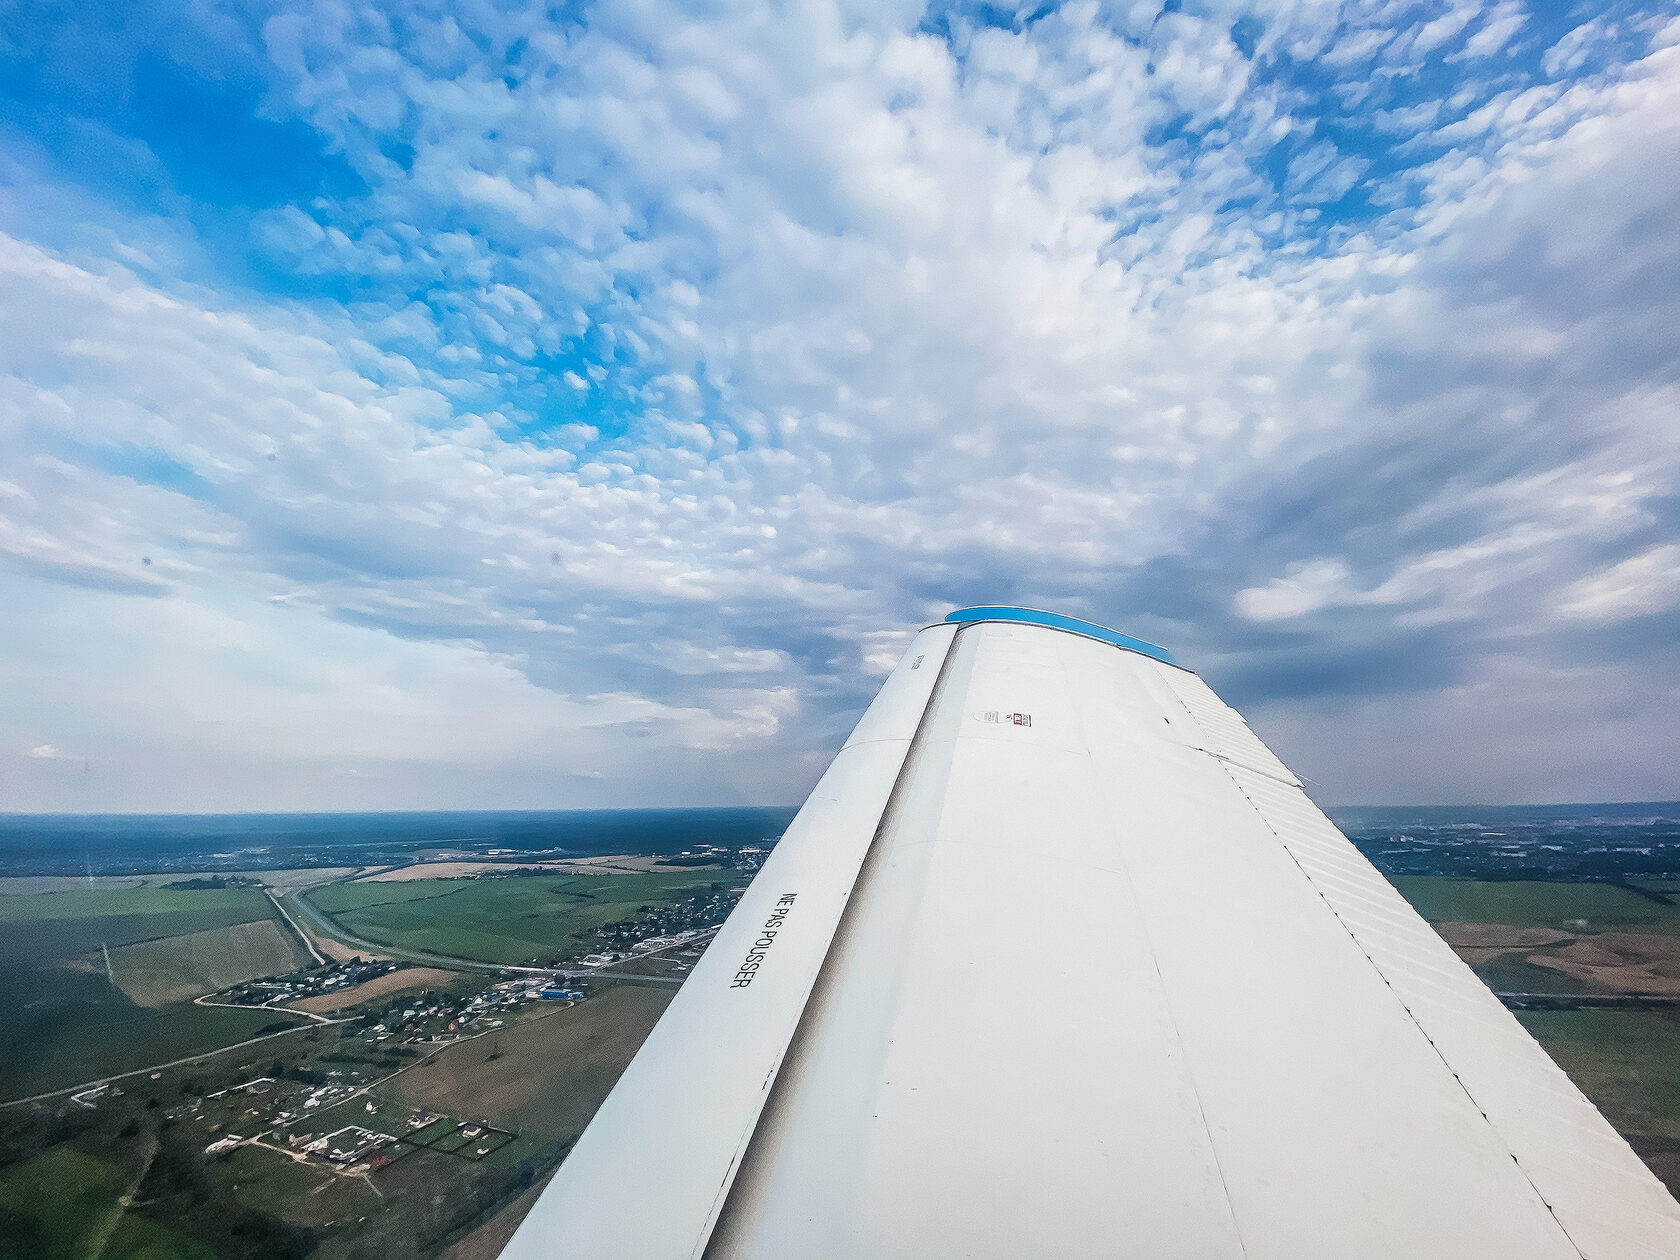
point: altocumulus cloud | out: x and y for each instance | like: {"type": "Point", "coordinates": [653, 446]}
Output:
{"type": "Point", "coordinates": [502, 405]}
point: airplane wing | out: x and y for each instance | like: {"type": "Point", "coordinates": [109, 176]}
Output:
{"type": "Point", "coordinates": [1059, 960]}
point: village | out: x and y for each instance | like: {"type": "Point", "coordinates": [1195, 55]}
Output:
{"type": "Point", "coordinates": [278, 990]}
{"type": "Point", "coordinates": [287, 1117]}
{"type": "Point", "coordinates": [331, 1117]}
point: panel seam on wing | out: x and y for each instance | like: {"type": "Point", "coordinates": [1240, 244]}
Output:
{"type": "Point", "coordinates": [720, 1203]}
{"type": "Point", "coordinates": [1405, 1006]}
{"type": "Point", "coordinates": [1225, 764]}
{"type": "Point", "coordinates": [1166, 1001]}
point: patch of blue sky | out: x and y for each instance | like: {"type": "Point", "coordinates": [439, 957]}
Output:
{"type": "Point", "coordinates": [951, 22]}
{"type": "Point", "coordinates": [144, 466]}
{"type": "Point", "coordinates": [221, 149]}
{"type": "Point", "coordinates": [1373, 117]}
{"type": "Point", "coordinates": [107, 105]}
{"type": "Point", "coordinates": [1366, 119]}
{"type": "Point", "coordinates": [554, 406]}
{"type": "Point", "coordinates": [209, 133]}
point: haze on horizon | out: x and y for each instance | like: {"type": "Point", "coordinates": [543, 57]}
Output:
{"type": "Point", "coordinates": [499, 406]}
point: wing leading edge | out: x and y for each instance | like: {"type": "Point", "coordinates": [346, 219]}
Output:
{"type": "Point", "coordinates": [1059, 960]}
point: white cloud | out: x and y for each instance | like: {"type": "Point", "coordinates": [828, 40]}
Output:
{"type": "Point", "coordinates": [1638, 586]}
{"type": "Point", "coordinates": [693, 361]}
{"type": "Point", "coordinates": [1445, 27]}
{"type": "Point", "coordinates": [1502, 24]}
{"type": "Point", "coordinates": [1306, 588]}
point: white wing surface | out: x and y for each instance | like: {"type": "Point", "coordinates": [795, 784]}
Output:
{"type": "Point", "coordinates": [1060, 961]}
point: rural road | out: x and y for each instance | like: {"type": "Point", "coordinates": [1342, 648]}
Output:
{"type": "Point", "coordinates": [327, 928]}
{"type": "Point", "coordinates": [308, 941]}
{"type": "Point", "coordinates": [159, 1067]}
{"type": "Point", "coordinates": [204, 1000]}
{"type": "Point", "coordinates": [1632, 1001]}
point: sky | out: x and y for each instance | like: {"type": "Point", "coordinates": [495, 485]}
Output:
{"type": "Point", "coordinates": [479, 405]}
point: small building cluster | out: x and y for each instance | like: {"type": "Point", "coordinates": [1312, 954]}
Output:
{"type": "Point", "coordinates": [351, 1145]}
{"type": "Point", "coordinates": [278, 990]}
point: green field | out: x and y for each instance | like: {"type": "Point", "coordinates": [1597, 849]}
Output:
{"type": "Point", "coordinates": [498, 920]}
{"type": "Point", "coordinates": [59, 1028]}
{"type": "Point", "coordinates": [510, 1077]}
{"type": "Point", "coordinates": [63, 1205]}
{"type": "Point", "coordinates": [1628, 1063]}
{"type": "Point", "coordinates": [541, 1076]}
{"type": "Point", "coordinates": [80, 903]}
{"type": "Point", "coordinates": [65, 1170]}
{"type": "Point", "coordinates": [62, 1021]}
{"type": "Point", "coordinates": [1532, 903]}
{"type": "Point", "coordinates": [39, 926]}
{"type": "Point", "coordinates": [180, 968]}
{"type": "Point", "coordinates": [299, 1194]}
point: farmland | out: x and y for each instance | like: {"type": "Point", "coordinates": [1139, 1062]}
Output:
{"type": "Point", "coordinates": [1609, 941]}
{"type": "Point", "coordinates": [481, 1092]}
{"type": "Point", "coordinates": [1525, 936]}
{"type": "Point", "coordinates": [41, 926]}
{"type": "Point", "coordinates": [509, 1079]}
{"type": "Point", "coordinates": [503, 920]}
{"type": "Point", "coordinates": [1625, 1061]}
{"type": "Point", "coordinates": [61, 1027]}
{"type": "Point", "coordinates": [535, 1081]}
{"type": "Point", "coordinates": [511, 1083]}
{"type": "Point", "coordinates": [63, 1204]}
{"type": "Point", "coordinates": [65, 1017]}
{"type": "Point", "coordinates": [1540, 904]}
{"type": "Point", "coordinates": [179, 968]}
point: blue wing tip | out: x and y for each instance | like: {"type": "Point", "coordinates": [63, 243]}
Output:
{"type": "Point", "coordinates": [1056, 621]}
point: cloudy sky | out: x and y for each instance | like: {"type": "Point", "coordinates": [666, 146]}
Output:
{"type": "Point", "coordinates": [514, 406]}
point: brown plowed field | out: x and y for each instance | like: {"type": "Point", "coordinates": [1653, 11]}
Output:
{"type": "Point", "coordinates": [379, 986]}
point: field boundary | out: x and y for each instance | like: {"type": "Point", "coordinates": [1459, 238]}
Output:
{"type": "Point", "coordinates": [182, 1062]}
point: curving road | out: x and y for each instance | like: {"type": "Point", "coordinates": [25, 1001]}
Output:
{"type": "Point", "coordinates": [326, 927]}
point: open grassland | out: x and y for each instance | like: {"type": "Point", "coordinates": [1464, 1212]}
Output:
{"type": "Point", "coordinates": [541, 1077]}
{"type": "Point", "coordinates": [80, 903]}
{"type": "Point", "coordinates": [304, 1195]}
{"type": "Point", "coordinates": [1542, 937]}
{"type": "Point", "coordinates": [61, 1027]}
{"type": "Point", "coordinates": [282, 880]}
{"type": "Point", "coordinates": [27, 885]}
{"type": "Point", "coordinates": [1628, 1063]}
{"type": "Point", "coordinates": [486, 1242]}
{"type": "Point", "coordinates": [65, 1204]}
{"type": "Point", "coordinates": [607, 864]}
{"type": "Point", "coordinates": [506, 920]}
{"type": "Point", "coordinates": [40, 926]}
{"type": "Point", "coordinates": [63, 1020]}
{"type": "Point", "coordinates": [179, 968]}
